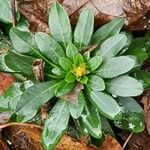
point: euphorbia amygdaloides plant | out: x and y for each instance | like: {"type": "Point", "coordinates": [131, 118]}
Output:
{"type": "Point", "coordinates": [87, 77]}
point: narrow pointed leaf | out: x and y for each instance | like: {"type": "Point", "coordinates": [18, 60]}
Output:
{"type": "Point", "coordinates": [124, 86]}
{"type": "Point", "coordinates": [94, 63]}
{"type": "Point", "coordinates": [71, 51]}
{"type": "Point", "coordinates": [76, 107]}
{"type": "Point", "coordinates": [33, 98]}
{"type": "Point", "coordinates": [131, 117]}
{"type": "Point", "coordinates": [91, 121]}
{"type": "Point", "coordinates": [96, 83]}
{"type": "Point", "coordinates": [55, 125]}
{"type": "Point", "coordinates": [59, 24]}
{"type": "Point", "coordinates": [105, 104]}
{"type": "Point", "coordinates": [65, 63]}
{"type": "Point", "coordinates": [108, 30]}
{"type": "Point", "coordinates": [84, 28]}
{"type": "Point", "coordinates": [116, 66]}
{"type": "Point", "coordinates": [49, 47]}
{"type": "Point", "coordinates": [112, 46]}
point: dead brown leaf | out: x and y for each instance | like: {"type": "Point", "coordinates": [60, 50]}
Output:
{"type": "Point", "coordinates": [110, 144]}
{"type": "Point", "coordinates": [22, 136]}
{"type": "Point", "coordinates": [146, 102]}
{"type": "Point", "coordinates": [136, 12]}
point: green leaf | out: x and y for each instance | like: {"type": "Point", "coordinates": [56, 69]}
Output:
{"type": "Point", "coordinates": [55, 125]}
{"type": "Point", "coordinates": [124, 86]}
{"type": "Point", "coordinates": [49, 47]}
{"type": "Point", "coordinates": [65, 63]}
{"type": "Point", "coordinates": [70, 77]}
{"type": "Point", "coordinates": [23, 42]}
{"type": "Point", "coordinates": [139, 48]}
{"type": "Point", "coordinates": [33, 98]}
{"type": "Point", "coordinates": [112, 46]}
{"type": "Point", "coordinates": [84, 28]}
{"type": "Point", "coordinates": [20, 63]}
{"type": "Point", "coordinates": [8, 101]}
{"type": "Point", "coordinates": [94, 63]}
{"type": "Point", "coordinates": [23, 24]}
{"type": "Point", "coordinates": [3, 66]}
{"type": "Point", "coordinates": [116, 66]}
{"type": "Point", "coordinates": [91, 121]}
{"type": "Point", "coordinates": [76, 107]}
{"type": "Point", "coordinates": [96, 83]}
{"type": "Point", "coordinates": [105, 104]}
{"type": "Point", "coordinates": [58, 71]}
{"type": "Point", "coordinates": [10, 98]}
{"type": "Point", "coordinates": [131, 117]}
{"type": "Point", "coordinates": [78, 59]}
{"type": "Point", "coordinates": [84, 80]}
{"type": "Point", "coordinates": [106, 127]}
{"type": "Point", "coordinates": [64, 88]}
{"type": "Point", "coordinates": [60, 25]}
{"type": "Point", "coordinates": [144, 77]}
{"type": "Point", "coordinates": [71, 51]}
{"type": "Point", "coordinates": [5, 11]}
{"type": "Point", "coordinates": [86, 56]}
{"type": "Point", "coordinates": [107, 30]}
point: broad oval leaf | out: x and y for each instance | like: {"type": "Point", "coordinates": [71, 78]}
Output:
{"type": "Point", "coordinates": [84, 28]}
{"type": "Point", "coordinates": [94, 63]}
{"type": "Point", "coordinates": [105, 104]}
{"type": "Point", "coordinates": [96, 83]}
{"type": "Point", "coordinates": [49, 47]}
{"type": "Point", "coordinates": [33, 98]}
{"type": "Point", "coordinates": [64, 88]}
{"type": "Point", "coordinates": [20, 63]}
{"type": "Point", "coordinates": [5, 11]}
{"type": "Point", "coordinates": [59, 24]}
{"type": "Point", "coordinates": [116, 66]}
{"type": "Point", "coordinates": [71, 51]}
{"type": "Point", "coordinates": [65, 63]}
{"type": "Point", "coordinates": [131, 117]}
{"type": "Point", "coordinates": [124, 86]}
{"type": "Point", "coordinates": [76, 107]}
{"type": "Point", "coordinates": [112, 46]}
{"type": "Point", "coordinates": [55, 125]}
{"type": "Point", "coordinates": [91, 121]}
{"type": "Point", "coordinates": [107, 30]}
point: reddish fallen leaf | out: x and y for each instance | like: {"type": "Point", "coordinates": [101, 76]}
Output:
{"type": "Point", "coordinates": [5, 81]}
{"type": "Point", "coordinates": [146, 102]}
{"type": "Point", "coordinates": [110, 144]}
{"type": "Point", "coordinates": [136, 12]}
{"type": "Point", "coordinates": [22, 136]}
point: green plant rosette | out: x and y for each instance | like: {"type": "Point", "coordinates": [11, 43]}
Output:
{"type": "Point", "coordinates": [87, 77]}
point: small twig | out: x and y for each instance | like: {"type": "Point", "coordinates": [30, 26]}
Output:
{"type": "Point", "coordinates": [13, 7]}
{"type": "Point", "coordinates": [127, 140]}
{"type": "Point", "coordinates": [88, 48]}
